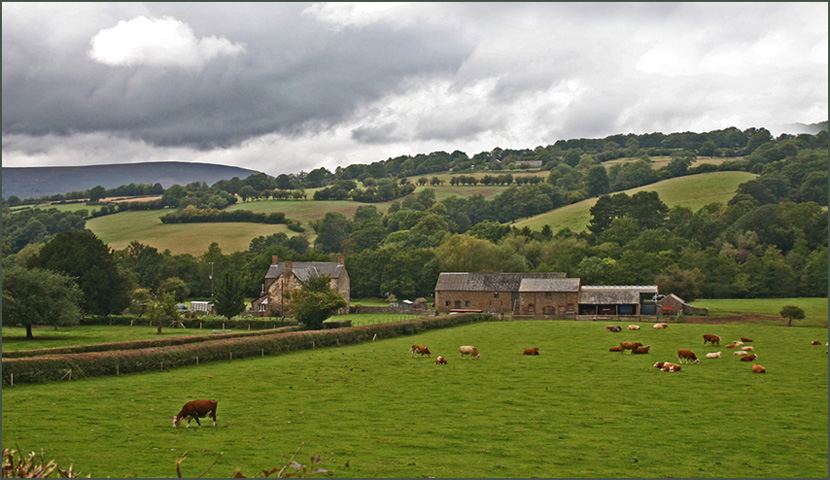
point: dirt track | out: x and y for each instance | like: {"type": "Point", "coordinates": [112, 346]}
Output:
{"type": "Point", "coordinates": [746, 318]}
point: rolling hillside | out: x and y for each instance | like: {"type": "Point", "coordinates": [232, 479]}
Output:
{"type": "Point", "coordinates": [120, 229]}
{"type": "Point", "coordinates": [33, 182]}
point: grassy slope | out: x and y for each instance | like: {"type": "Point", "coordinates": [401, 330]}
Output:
{"type": "Point", "coordinates": [815, 309]}
{"type": "Point", "coordinates": [371, 410]}
{"type": "Point", "coordinates": [120, 229]}
{"type": "Point", "coordinates": [693, 192]}
{"type": "Point", "coordinates": [14, 338]}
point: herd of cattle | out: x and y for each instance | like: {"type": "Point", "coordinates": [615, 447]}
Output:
{"type": "Point", "coordinates": [688, 356]}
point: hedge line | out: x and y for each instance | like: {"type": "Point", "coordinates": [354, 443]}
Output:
{"type": "Point", "coordinates": [250, 323]}
{"type": "Point", "coordinates": [50, 368]}
{"type": "Point", "coordinates": [138, 344]}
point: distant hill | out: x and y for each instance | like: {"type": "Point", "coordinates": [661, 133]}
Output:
{"type": "Point", "coordinates": [33, 182]}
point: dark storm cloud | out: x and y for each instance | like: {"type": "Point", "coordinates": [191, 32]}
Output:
{"type": "Point", "coordinates": [294, 76]}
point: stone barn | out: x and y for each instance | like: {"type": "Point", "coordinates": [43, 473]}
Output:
{"type": "Point", "coordinates": [484, 292]}
{"type": "Point", "coordinates": [284, 277]}
{"type": "Point", "coordinates": [548, 296]}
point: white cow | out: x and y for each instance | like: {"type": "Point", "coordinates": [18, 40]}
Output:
{"type": "Point", "coordinates": [740, 353]}
{"type": "Point", "coordinates": [633, 327]}
{"type": "Point", "coordinates": [714, 355]}
{"type": "Point", "coordinates": [468, 350]}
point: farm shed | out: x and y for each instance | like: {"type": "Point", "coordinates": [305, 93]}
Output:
{"type": "Point", "coordinates": [548, 296]}
{"type": "Point", "coordinates": [285, 277]}
{"type": "Point", "coordinates": [201, 307]}
{"type": "Point", "coordinates": [677, 305]}
{"type": "Point", "coordinates": [488, 292]}
{"type": "Point", "coordinates": [616, 300]}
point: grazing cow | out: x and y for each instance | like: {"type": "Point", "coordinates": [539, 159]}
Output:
{"type": "Point", "coordinates": [468, 350]}
{"type": "Point", "coordinates": [615, 349]}
{"type": "Point", "coordinates": [757, 368]}
{"type": "Point", "coordinates": [740, 353]}
{"type": "Point", "coordinates": [687, 355]}
{"type": "Point", "coordinates": [440, 360]}
{"type": "Point", "coordinates": [670, 367]}
{"type": "Point", "coordinates": [194, 410]}
{"type": "Point", "coordinates": [659, 365]}
{"type": "Point", "coordinates": [749, 358]}
{"type": "Point", "coordinates": [613, 328]}
{"type": "Point", "coordinates": [661, 325]}
{"type": "Point", "coordinates": [738, 344]}
{"type": "Point", "coordinates": [714, 339]}
{"type": "Point", "coordinates": [714, 355]}
{"type": "Point", "coordinates": [633, 327]}
{"type": "Point", "coordinates": [641, 349]}
{"type": "Point", "coordinates": [629, 346]}
{"type": "Point", "coordinates": [729, 346]}
{"type": "Point", "coordinates": [748, 349]}
{"type": "Point", "coordinates": [744, 339]}
{"type": "Point", "coordinates": [419, 349]}
{"type": "Point", "coordinates": [815, 343]}
{"type": "Point", "coordinates": [531, 351]}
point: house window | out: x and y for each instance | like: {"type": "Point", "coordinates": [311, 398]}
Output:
{"type": "Point", "coordinates": [467, 303]}
{"type": "Point", "coordinates": [571, 308]}
{"type": "Point", "coordinates": [531, 308]}
{"type": "Point", "coordinates": [458, 304]}
{"type": "Point", "coordinates": [548, 294]}
{"type": "Point", "coordinates": [547, 310]}
{"type": "Point", "coordinates": [262, 307]}
{"type": "Point", "coordinates": [447, 303]}
{"type": "Point", "coordinates": [495, 294]}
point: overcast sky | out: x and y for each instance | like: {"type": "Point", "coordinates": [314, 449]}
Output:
{"type": "Point", "coordinates": [289, 87]}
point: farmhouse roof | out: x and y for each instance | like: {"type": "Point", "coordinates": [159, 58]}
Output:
{"type": "Point", "coordinates": [614, 295]}
{"type": "Point", "coordinates": [304, 270]}
{"type": "Point", "coordinates": [549, 285]}
{"type": "Point", "coordinates": [487, 282]}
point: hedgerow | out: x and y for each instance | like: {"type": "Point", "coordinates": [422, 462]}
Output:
{"type": "Point", "coordinates": [49, 368]}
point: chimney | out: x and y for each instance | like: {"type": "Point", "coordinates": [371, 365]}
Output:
{"type": "Point", "coordinates": [342, 259]}
{"type": "Point", "coordinates": [273, 260]}
{"type": "Point", "coordinates": [288, 264]}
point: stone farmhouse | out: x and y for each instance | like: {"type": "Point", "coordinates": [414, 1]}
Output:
{"type": "Point", "coordinates": [539, 294]}
{"type": "Point", "coordinates": [284, 277]}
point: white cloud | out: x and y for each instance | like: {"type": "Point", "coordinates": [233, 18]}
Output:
{"type": "Point", "coordinates": [353, 14]}
{"type": "Point", "coordinates": [160, 42]}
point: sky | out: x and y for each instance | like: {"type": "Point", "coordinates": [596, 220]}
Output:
{"type": "Point", "coordinates": [290, 87]}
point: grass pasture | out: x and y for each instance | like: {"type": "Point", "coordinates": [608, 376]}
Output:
{"type": "Point", "coordinates": [693, 191]}
{"type": "Point", "coordinates": [14, 338]}
{"type": "Point", "coordinates": [119, 229]}
{"type": "Point", "coordinates": [766, 309]}
{"type": "Point", "coordinates": [371, 410]}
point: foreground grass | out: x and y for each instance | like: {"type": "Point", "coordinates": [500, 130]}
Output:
{"type": "Point", "coordinates": [815, 309]}
{"type": "Point", "coordinates": [371, 410]}
{"type": "Point", "coordinates": [693, 192]}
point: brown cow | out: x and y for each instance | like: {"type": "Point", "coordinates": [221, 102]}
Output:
{"type": "Point", "coordinates": [729, 346]}
{"type": "Point", "coordinates": [440, 360]}
{"type": "Point", "coordinates": [629, 346]}
{"type": "Point", "coordinates": [659, 365]}
{"type": "Point", "coordinates": [419, 349]}
{"type": "Point", "coordinates": [714, 339]}
{"type": "Point", "coordinates": [687, 355]}
{"type": "Point", "coordinates": [468, 350]}
{"type": "Point", "coordinates": [641, 349]}
{"type": "Point", "coordinates": [744, 339]}
{"type": "Point", "coordinates": [757, 368]}
{"type": "Point", "coordinates": [749, 358]}
{"type": "Point", "coordinates": [531, 351]}
{"type": "Point", "coordinates": [194, 410]}
{"type": "Point", "coordinates": [670, 367]}
{"type": "Point", "coordinates": [613, 328]}
{"type": "Point", "coordinates": [815, 343]}
{"type": "Point", "coordinates": [615, 349]}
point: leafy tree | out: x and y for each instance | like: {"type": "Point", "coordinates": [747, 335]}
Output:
{"type": "Point", "coordinates": [36, 296]}
{"type": "Point", "coordinates": [596, 181]}
{"type": "Point", "coordinates": [683, 283]}
{"type": "Point", "coordinates": [175, 286]}
{"type": "Point", "coordinates": [140, 301]}
{"type": "Point", "coordinates": [163, 310]}
{"type": "Point", "coordinates": [247, 192]}
{"type": "Point", "coordinates": [230, 296]}
{"type": "Point", "coordinates": [85, 257]}
{"type": "Point", "coordinates": [314, 302]}
{"type": "Point", "coordinates": [333, 229]}
{"type": "Point", "coordinates": [792, 312]}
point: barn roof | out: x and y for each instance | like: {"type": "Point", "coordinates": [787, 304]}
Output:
{"type": "Point", "coordinates": [614, 295]}
{"type": "Point", "coordinates": [549, 285]}
{"type": "Point", "coordinates": [304, 270]}
{"type": "Point", "coordinates": [487, 282]}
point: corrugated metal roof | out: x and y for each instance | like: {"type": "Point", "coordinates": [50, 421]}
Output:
{"type": "Point", "coordinates": [487, 282]}
{"type": "Point", "coordinates": [613, 294]}
{"type": "Point", "coordinates": [549, 285]}
{"type": "Point", "coordinates": [303, 270]}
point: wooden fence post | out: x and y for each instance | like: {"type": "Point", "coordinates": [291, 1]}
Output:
{"type": "Point", "coordinates": [197, 361]}
{"type": "Point", "coordinates": [230, 356]}
{"type": "Point", "coordinates": [11, 379]}
{"type": "Point", "coordinates": [116, 370]}
{"type": "Point", "coordinates": [263, 352]}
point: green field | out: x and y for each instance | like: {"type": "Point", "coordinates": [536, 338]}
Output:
{"type": "Point", "coordinates": [693, 192]}
{"type": "Point", "coordinates": [815, 309]}
{"type": "Point", "coordinates": [306, 210]}
{"type": "Point", "coordinates": [119, 229]}
{"type": "Point", "coordinates": [371, 410]}
{"type": "Point", "coordinates": [14, 338]}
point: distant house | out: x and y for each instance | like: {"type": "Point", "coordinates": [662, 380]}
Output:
{"type": "Point", "coordinates": [529, 163]}
{"type": "Point", "coordinates": [617, 300]}
{"type": "Point", "coordinates": [672, 304]}
{"type": "Point", "coordinates": [285, 277]}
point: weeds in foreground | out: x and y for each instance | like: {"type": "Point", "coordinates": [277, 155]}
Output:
{"type": "Point", "coordinates": [18, 465]}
